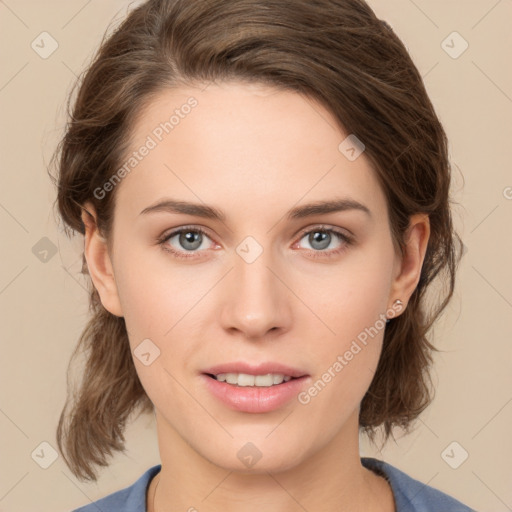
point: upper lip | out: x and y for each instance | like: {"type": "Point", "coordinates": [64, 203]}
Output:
{"type": "Point", "coordinates": [252, 369]}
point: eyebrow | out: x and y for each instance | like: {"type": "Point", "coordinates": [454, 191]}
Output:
{"type": "Point", "coordinates": [299, 212]}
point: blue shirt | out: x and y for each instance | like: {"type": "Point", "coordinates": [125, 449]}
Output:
{"type": "Point", "coordinates": [410, 495]}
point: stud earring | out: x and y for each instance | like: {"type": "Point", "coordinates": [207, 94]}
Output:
{"type": "Point", "coordinates": [398, 302]}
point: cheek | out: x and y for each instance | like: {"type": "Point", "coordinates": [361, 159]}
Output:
{"type": "Point", "coordinates": [351, 305]}
{"type": "Point", "coordinates": [159, 303]}
{"type": "Point", "coordinates": [351, 297]}
{"type": "Point", "coordinates": [345, 366]}
{"type": "Point", "coordinates": [154, 294]}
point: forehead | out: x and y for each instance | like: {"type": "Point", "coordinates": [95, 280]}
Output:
{"type": "Point", "coordinates": [236, 109]}
{"type": "Point", "coordinates": [234, 140]}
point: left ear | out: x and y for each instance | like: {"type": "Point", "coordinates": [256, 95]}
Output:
{"type": "Point", "coordinates": [408, 268]}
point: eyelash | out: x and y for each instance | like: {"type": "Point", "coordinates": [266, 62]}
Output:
{"type": "Point", "coordinates": [347, 240]}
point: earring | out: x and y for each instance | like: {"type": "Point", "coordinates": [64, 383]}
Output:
{"type": "Point", "coordinates": [399, 303]}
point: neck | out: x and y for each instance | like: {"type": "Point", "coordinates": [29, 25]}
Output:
{"type": "Point", "coordinates": [332, 479]}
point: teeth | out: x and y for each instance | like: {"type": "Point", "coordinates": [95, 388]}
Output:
{"type": "Point", "coordinates": [243, 379]}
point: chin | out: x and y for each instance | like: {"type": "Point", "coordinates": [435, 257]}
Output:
{"type": "Point", "coordinates": [258, 457]}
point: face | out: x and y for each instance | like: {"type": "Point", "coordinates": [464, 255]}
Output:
{"type": "Point", "coordinates": [264, 282]}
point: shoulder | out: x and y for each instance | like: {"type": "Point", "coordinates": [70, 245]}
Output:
{"type": "Point", "coordinates": [129, 499]}
{"type": "Point", "coordinates": [412, 495]}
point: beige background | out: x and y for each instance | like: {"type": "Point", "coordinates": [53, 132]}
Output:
{"type": "Point", "coordinates": [44, 307]}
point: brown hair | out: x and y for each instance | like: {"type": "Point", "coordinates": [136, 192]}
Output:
{"type": "Point", "coordinates": [335, 51]}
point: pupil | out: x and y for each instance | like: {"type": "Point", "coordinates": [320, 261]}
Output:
{"type": "Point", "coordinates": [189, 238]}
{"type": "Point", "coordinates": [323, 238]}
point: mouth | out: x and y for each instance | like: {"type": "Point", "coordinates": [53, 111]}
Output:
{"type": "Point", "coordinates": [254, 388]}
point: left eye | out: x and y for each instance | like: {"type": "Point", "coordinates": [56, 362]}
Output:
{"type": "Point", "coordinates": [320, 239]}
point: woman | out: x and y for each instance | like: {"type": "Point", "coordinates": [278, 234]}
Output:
{"type": "Point", "coordinates": [263, 188]}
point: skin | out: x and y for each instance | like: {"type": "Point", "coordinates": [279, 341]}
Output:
{"type": "Point", "coordinates": [253, 152]}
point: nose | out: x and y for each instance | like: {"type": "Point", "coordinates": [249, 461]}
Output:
{"type": "Point", "coordinates": [256, 299]}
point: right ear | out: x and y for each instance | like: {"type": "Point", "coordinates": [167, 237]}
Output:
{"type": "Point", "coordinates": [99, 263]}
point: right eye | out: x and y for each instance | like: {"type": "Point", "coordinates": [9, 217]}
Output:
{"type": "Point", "coordinates": [188, 239]}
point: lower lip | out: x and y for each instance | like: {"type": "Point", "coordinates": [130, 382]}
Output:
{"type": "Point", "coordinates": [255, 399]}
